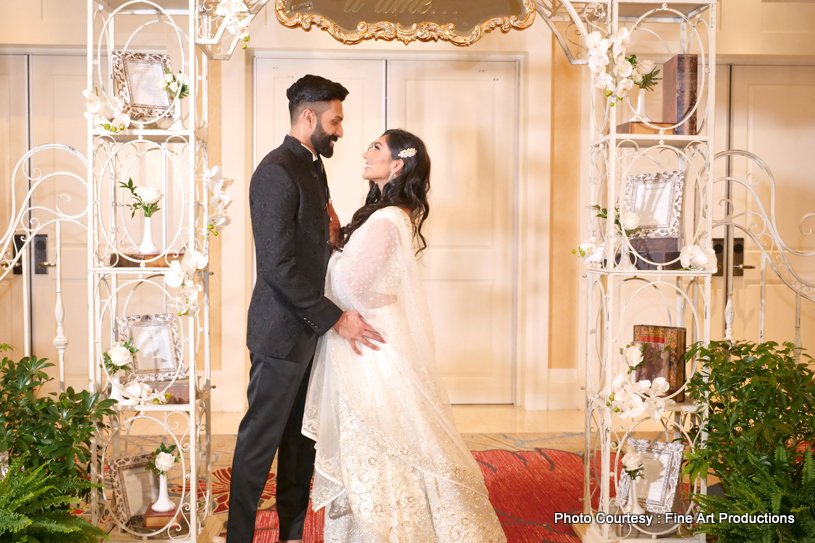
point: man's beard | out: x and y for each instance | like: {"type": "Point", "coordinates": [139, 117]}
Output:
{"type": "Point", "coordinates": [322, 142]}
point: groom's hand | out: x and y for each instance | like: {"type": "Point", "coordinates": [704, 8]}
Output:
{"type": "Point", "coordinates": [353, 327]}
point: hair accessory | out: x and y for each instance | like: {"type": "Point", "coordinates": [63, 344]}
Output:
{"type": "Point", "coordinates": [407, 153]}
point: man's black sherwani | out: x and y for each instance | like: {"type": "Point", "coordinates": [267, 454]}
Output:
{"type": "Point", "coordinates": [288, 195]}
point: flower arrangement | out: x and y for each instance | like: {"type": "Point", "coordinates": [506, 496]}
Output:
{"type": "Point", "coordinates": [182, 274]}
{"type": "Point", "coordinates": [592, 250]}
{"type": "Point", "coordinates": [694, 257]}
{"type": "Point", "coordinates": [236, 19]}
{"type": "Point", "coordinates": [163, 459]}
{"type": "Point", "coordinates": [107, 114]}
{"type": "Point", "coordinates": [147, 198]}
{"type": "Point", "coordinates": [605, 53]}
{"type": "Point", "coordinates": [175, 85]}
{"type": "Point", "coordinates": [119, 356]}
{"type": "Point", "coordinates": [219, 201]}
{"type": "Point", "coordinates": [632, 461]}
{"type": "Point", "coordinates": [644, 73]}
{"type": "Point", "coordinates": [631, 400]}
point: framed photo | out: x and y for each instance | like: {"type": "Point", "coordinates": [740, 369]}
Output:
{"type": "Point", "coordinates": [657, 484]}
{"type": "Point", "coordinates": [136, 77]}
{"type": "Point", "coordinates": [663, 356]}
{"type": "Point", "coordinates": [157, 339]}
{"type": "Point", "coordinates": [656, 198]}
{"type": "Point", "coordinates": [134, 487]}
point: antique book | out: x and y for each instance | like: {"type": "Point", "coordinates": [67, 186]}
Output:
{"type": "Point", "coordinates": [659, 250]}
{"type": "Point", "coordinates": [664, 356]}
{"type": "Point", "coordinates": [679, 82]}
{"type": "Point", "coordinates": [158, 519]}
{"type": "Point", "coordinates": [636, 127]}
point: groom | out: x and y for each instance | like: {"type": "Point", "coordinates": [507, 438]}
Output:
{"type": "Point", "coordinates": [295, 227]}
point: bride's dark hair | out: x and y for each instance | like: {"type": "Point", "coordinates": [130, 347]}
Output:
{"type": "Point", "coordinates": [408, 189]}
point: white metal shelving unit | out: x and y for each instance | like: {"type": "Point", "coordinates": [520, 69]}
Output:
{"type": "Point", "coordinates": [620, 296]}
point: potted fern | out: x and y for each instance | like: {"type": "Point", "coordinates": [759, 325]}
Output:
{"type": "Point", "coordinates": [761, 433]}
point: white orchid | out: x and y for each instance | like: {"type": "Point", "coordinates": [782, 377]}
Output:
{"type": "Point", "coordinates": [217, 222]}
{"type": "Point", "coordinates": [659, 387]}
{"type": "Point", "coordinates": [182, 272]}
{"type": "Point", "coordinates": [137, 391]}
{"type": "Point", "coordinates": [187, 301]}
{"type": "Point", "coordinates": [220, 200]}
{"type": "Point", "coordinates": [695, 257]}
{"type": "Point", "coordinates": [93, 104]}
{"type": "Point", "coordinates": [603, 80]}
{"type": "Point", "coordinates": [642, 386]}
{"type": "Point", "coordinates": [230, 8]}
{"type": "Point", "coordinates": [619, 41]}
{"type": "Point", "coordinates": [632, 407]}
{"type": "Point", "coordinates": [655, 407]}
{"type": "Point", "coordinates": [598, 63]}
{"type": "Point", "coordinates": [215, 179]}
{"type": "Point", "coordinates": [623, 68]}
{"type": "Point", "coordinates": [623, 87]}
{"type": "Point", "coordinates": [597, 44]}
{"type": "Point", "coordinates": [240, 27]}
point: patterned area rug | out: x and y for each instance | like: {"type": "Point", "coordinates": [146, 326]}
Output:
{"type": "Point", "coordinates": [526, 488]}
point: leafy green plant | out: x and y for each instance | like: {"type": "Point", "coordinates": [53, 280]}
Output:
{"type": "Point", "coordinates": [760, 416]}
{"type": "Point", "coordinates": [37, 507]}
{"type": "Point", "coordinates": [52, 430]}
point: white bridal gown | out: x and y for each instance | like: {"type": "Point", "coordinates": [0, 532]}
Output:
{"type": "Point", "coordinates": [390, 465]}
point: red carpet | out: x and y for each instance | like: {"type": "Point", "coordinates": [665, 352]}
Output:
{"type": "Point", "coordinates": [526, 488]}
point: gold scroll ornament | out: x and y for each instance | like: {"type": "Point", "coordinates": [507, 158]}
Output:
{"type": "Point", "coordinates": [461, 22]}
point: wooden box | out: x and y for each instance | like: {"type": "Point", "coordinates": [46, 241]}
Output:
{"type": "Point", "coordinates": [679, 93]}
{"type": "Point", "coordinates": [636, 127]}
{"type": "Point", "coordinates": [664, 356]}
{"type": "Point", "coordinates": [657, 250]}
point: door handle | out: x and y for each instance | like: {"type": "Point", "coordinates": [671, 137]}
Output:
{"type": "Point", "coordinates": [47, 264]}
{"type": "Point", "coordinates": [743, 267]}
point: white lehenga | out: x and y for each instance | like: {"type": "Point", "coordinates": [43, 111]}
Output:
{"type": "Point", "coordinates": [390, 465]}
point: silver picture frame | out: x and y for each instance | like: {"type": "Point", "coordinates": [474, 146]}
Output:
{"type": "Point", "coordinates": [657, 484]}
{"type": "Point", "coordinates": [136, 79]}
{"type": "Point", "coordinates": [134, 487]}
{"type": "Point", "coordinates": [656, 198]}
{"type": "Point", "coordinates": [159, 356]}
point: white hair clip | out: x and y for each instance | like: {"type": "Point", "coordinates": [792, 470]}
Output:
{"type": "Point", "coordinates": [407, 153]}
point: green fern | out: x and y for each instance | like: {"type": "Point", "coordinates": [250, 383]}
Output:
{"type": "Point", "coordinates": [775, 486]}
{"type": "Point", "coordinates": [36, 507]}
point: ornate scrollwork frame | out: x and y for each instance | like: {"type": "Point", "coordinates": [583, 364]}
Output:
{"type": "Point", "coordinates": [387, 30]}
{"type": "Point", "coordinates": [124, 84]}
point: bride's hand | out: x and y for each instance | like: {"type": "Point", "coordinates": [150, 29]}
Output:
{"type": "Point", "coordinates": [353, 327]}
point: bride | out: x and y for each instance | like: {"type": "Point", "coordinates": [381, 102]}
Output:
{"type": "Point", "coordinates": [390, 465]}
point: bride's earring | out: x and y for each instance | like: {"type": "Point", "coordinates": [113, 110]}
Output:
{"type": "Point", "coordinates": [391, 176]}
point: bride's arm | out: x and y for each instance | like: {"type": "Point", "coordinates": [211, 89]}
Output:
{"type": "Point", "coordinates": [379, 244]}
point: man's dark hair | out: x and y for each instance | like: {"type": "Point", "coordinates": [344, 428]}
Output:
{"type": "Point", "coordinates": [310, 90]}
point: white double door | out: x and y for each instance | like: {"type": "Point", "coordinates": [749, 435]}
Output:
{"type": "Point", "coordinates": [41, 102]}
{"type": "Point", "coordinates": [466, 113]}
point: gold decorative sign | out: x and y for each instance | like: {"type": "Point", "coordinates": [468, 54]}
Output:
{"type": "Point", "coordinates": [461, 22]}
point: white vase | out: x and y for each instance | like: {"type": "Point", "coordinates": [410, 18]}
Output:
{"type": "Point", "coordinates": [641, 115]}
{"type": "Point", "coordinates": [178, 123]}
{"type": "Point", "coordinates": [116, 390]}
{"type": "Point", "coordinates": [163, 503]}
{"type": "Point", "coordinates": [634, 506]}
{"type": "Point", "coordinates": [147, 246]}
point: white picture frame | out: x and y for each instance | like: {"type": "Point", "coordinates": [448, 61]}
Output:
{"type": "Point", "coordinates": [136, 78]}
{"type": "Point", "coordinates": [135, 488]}
{"type": "Point", "coordinates": [656, 198]}
{"type": "Point", "coordinates": [658, 482]}
{"type": "Point", "coordinates": [159, 356]}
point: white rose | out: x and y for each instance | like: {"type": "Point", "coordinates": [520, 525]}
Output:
{"type": "Point", "coordinates": [633, 354]}
{"type": "Point", "coordinates": [659, 387]}
{"type": "Point", "coordinates": [632, 461]}
{"type": "Point", "coordinates": [629, 220]}
{"type": "Point", "coordinates": [169, 78]}
{"type": "Point", "coordinates": [148, 195]}
{"type": "Point", "coordinates": [120, 355]}
{"type": "Point", "coordinates": [164, 461]}
{"type": "Point", "coordinates": [162, 84]}
{"type": "Point", "coordinates": [174, 86]}
{"type": "Point", "coordinates": [637, 77]}
{"type": "Point", "coordinates": [627, 448]}
{"type": "Point", "coordinates": [646, 66]}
